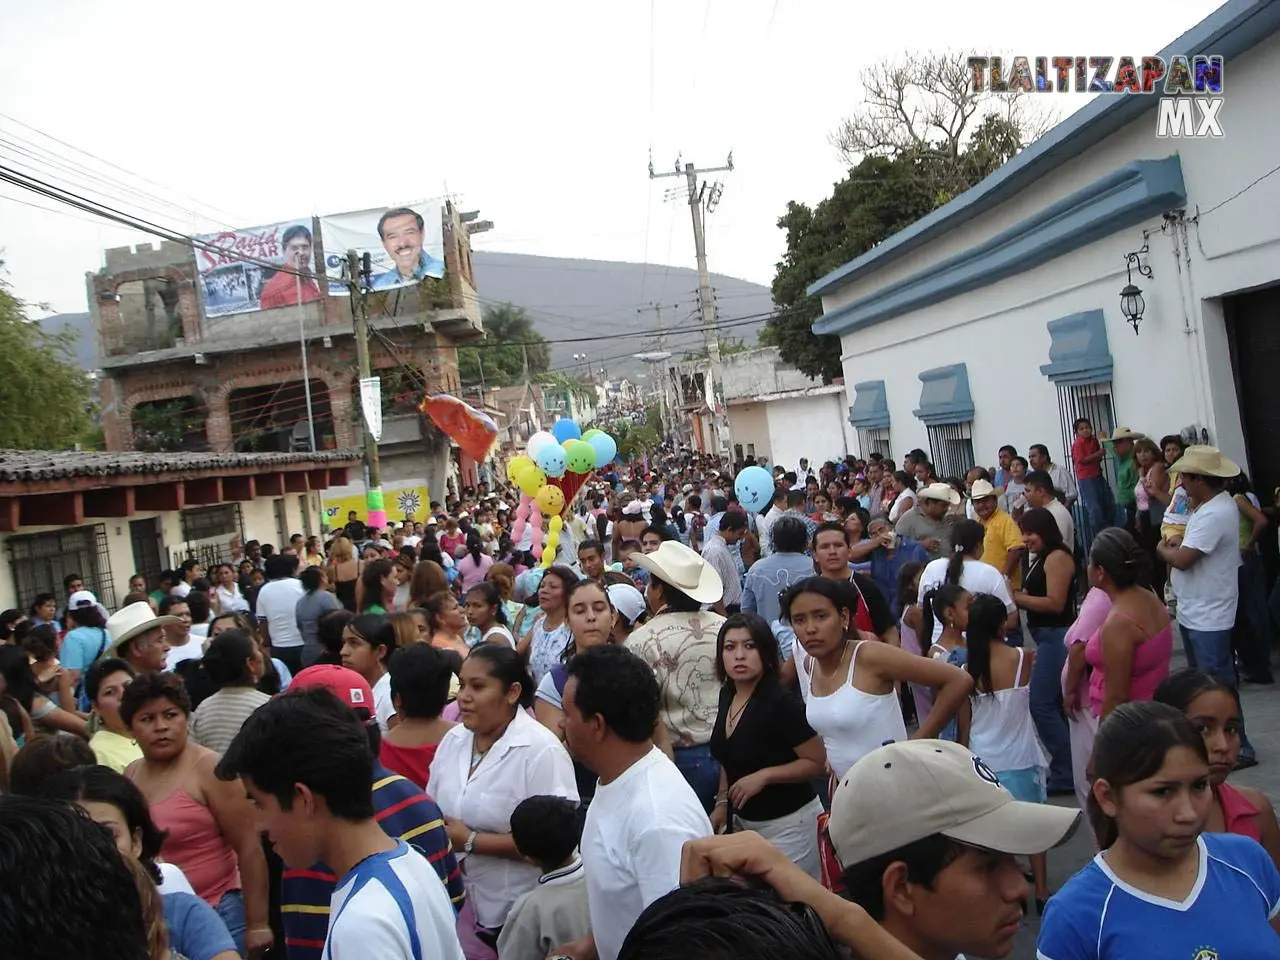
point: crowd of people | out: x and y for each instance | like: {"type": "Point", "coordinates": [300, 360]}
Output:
{"type": "Point", "coordinates": [426, 741]}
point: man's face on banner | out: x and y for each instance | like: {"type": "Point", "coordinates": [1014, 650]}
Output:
{"type": "Point", "coordinates": [297, 253]}
{"type": "Point", "coordinates": [402, 239]}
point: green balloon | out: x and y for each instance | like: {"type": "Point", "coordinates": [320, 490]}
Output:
{"type": "Point", "coordinates": [581, 456]}
{"type": "Point", "coordinates": [593, 432]}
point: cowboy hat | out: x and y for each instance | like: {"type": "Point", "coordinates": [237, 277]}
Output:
{"type": "Point", "coordinates": [1206, 462]}
{"type": "Point", "coordinates": [676, 564]}
{"type": "Point", "coordinates": [939, 491]}
{"type": "Point", "coordinates": [981, 489]}
{"type": "Point", "coordinates": [1125, 433]}
{"type": "Point", "coordinates": [132, 621]}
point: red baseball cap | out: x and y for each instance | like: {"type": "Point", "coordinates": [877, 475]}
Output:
{"type": "Point", "coordinates": [345, 684]}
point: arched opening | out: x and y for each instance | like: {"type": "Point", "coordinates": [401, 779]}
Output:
{"type": "Point", "coordinates": [168, 426]}
{"type": "Point", "coordinates": [273, 418]}
{"type": "Point", "coordinates": [149, 314]}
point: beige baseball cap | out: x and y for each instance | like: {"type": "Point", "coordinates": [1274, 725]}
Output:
{"type": "Point", "coordinates": [905, 792]}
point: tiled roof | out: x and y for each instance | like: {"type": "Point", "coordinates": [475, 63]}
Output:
{"type": "Point", "coordinates": [27, 465]}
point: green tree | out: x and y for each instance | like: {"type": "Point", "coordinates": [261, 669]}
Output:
{"type": "Point", "coordinates": [921, 137]}
{"type": "Point", "coordinates": [507, 329]}
{"type": "Point", "coordinates": [878, 198]}
{"type": "Point", "coordinates": [634, 440]}
{"type": "Point", "coordinates": [45, 398]}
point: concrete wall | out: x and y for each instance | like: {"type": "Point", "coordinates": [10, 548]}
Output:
{"type": "Point", "coordinates": [757, 372]}
{"type": "Point", "coordinates": [809, 426]}
{"type": "Point", "coordinates": [1177, 372]}
{"type": "Point", "coordinates": [749, 423]}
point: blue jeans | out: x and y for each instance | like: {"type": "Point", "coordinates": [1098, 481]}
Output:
{"type": "Point", "coordinates": [1210, 651]}
{"type": "Point", "coordinates": [701, 771]}
{"type": "Point", "coordinates": [231, 909]}
{"type": "Point", "coordinates": [1253, 642]}
{"type": "Point", "coordinates": [1095, 499]}
{"type": "Point", "coordinates": [1046, 704]}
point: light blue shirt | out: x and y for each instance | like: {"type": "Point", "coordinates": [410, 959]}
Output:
{"type": "Point", "coordinates": [768, 578]}
{"type": "Point", "coordinates": [428, 266]}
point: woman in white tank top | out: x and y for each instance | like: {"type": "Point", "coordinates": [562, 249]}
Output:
{"type": "Point", "coordinates": [1001, 730]}
{"type": "Point", "coordinates": [848, 682]}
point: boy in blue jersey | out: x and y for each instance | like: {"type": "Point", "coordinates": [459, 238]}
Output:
{"type": "Point", "coordinates": [402, 810]}
{"type": "Point", "coordinates": [305, 761]}
{"type": "Point", "coordinates": [927, 839]}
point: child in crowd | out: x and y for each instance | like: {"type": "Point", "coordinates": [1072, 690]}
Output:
{"type": "Point", "coordinates": [627, 551]}
{"type": "Point", "coordinates": [862, 491]}
{"type": "Point", "coordinates": [1212, 708]}
{"type": "Point", "coordinates": [1001, 731]}
{"type": "Point", "coordinates": [950, 605]}
{"type": "Point", "coordinates": [546, 831]}
{"type": "Point", "coordinates": [1162, 886]}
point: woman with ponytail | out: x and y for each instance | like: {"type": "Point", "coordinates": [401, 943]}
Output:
{"type": "Point", "coordinates": [963, 568]}
{"type": "Point", "coordinates": [474, 564]}
{"type": "Point", "coordinates": [948, 605]}
{"type": "Point", "coordinates": [1001, 730]}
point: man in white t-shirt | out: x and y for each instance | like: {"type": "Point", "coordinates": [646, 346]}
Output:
{"type": "Point", "coordinates": [306, 763]}
{"type": "Point", "coordinates": [643, 811]}
{"type": "Point", "coordinates": [1039, 493]}
{"type": "Point", "coordinates": [1204, 567]}
{"type": "Point", "coordinates": [277, 611]}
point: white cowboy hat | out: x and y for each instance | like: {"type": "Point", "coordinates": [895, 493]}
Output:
{"type": "Point", "coordinates": [676, 564]}
{"type": "Point", "coordinates": [133, 620]}
{"type": "Point", "coordinates": [981, 489]}
{"type": "Point", "coordinates": [939, 491]}
{"type": "Point", "coordinates": [1206, 462]}
{"type": "Point", "coordinates": [1126, 433]}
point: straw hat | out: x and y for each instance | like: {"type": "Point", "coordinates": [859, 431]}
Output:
{"type": "Point", "coordinates": [1205, 461]}
{"type": "Point", "coordinates": [1125, 433]}
{"type": "Point", "coordinates": [132, 621]}
{"type": "Point", "coordinates": [981, 489]}
{"type": "Point", "coordinates": [939, 491]}
{"type": "Point", "coordinates": [676, 564]}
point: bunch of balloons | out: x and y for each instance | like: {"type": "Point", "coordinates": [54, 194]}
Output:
{"type": "Point", "coordinates": [550, 473]}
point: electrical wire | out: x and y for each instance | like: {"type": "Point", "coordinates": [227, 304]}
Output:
{"type": "Point", "coordinates": [1239, 193]}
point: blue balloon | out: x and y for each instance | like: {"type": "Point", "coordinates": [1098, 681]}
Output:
{"type": "Point", "coordinates": [551, 459]}
{"type": "Point", "coordinates": [606, 449]}
{"type": "Point", "coordinates": [754, 487]}
{"type": "Point", "coordinates": [565, 429]}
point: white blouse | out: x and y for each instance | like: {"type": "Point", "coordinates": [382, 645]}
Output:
{"type": "Point", "coordinates": [527, 761]}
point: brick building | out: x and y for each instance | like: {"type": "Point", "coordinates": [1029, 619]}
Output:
{"type": "Point", "coordinates": [175, 379]}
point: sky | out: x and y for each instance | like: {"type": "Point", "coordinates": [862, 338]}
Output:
{"type": "Point", "coordinates": [541, 116]}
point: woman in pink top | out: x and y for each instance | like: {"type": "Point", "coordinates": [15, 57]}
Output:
{"type": "Point", "coordinates": [473, 566]}
{"type": "Point", "coordinates": [1130, 652]}
{"type": "Point", "coordinates": [210, 824]}
{"type": "Point", "coordinates": [1212, 708]}
{"type": "Point", "coordinates": [1082, 725]}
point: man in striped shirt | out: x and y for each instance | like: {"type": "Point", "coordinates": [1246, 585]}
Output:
{"type": "Point", "coordinates": [402, 810]}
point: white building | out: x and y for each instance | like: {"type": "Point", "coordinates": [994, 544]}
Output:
{"type": "Point", "coordinates": [997, 318]}
{"type": "Point", "coordinates": [775, 411]}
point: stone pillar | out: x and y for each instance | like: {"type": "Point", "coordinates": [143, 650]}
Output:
{"type": "Point", "coordinates": [188, 308]}
{"type": "Point", "coordinates": [217, 426]}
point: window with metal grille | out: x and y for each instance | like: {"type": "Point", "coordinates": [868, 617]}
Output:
{"type": "Point", "coordinates": [874, 440]}
{"type": "Point", "coordinates": [1093, 402]}
{"type": "Point", "coordinates": [951, 448]}
{"type": "Point", "coordinates": [39, 561]}
{"type": "Point", "coordinates": [207, 533]}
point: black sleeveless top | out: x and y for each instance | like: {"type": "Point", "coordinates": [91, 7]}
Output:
{"type": "Point", "coordinates": [1035, 584]}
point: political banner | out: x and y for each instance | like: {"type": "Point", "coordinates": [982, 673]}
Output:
{"type": "Point", "coordinates": [406, 244]}
{"type": "Point", "coordinates": [404, 501]}
{"type": "Point", "coordinates": [239, 270]}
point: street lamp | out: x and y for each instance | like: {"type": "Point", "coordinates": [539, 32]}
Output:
{"type": "Point", "coordinates": [1132, 305]}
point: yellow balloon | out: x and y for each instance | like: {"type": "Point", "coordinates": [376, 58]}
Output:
{"type": "Point", "coordinates": [517, 466]}
{"type": "Point", "coordinates": [555, 525]}
{"type": "Point", "coordinates": [531, 480]}
{"type": "Point", "coordinates": [549, 499]}
{"type": "Point", "coordinates": [549, 549]}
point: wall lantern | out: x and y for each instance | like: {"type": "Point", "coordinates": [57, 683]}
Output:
{"type": "Point", "coordinates": [1131, 303]}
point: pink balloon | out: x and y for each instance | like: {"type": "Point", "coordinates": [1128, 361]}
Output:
{"type": "Point", "coordinates": [535, 519]}
{"type": "Point", "coordinates": [536, 550]}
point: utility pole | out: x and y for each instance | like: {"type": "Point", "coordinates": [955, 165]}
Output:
{"type": "Point", "coordinates": [703, 200]}
{"type": "Point", "coordinates": [374, 504]}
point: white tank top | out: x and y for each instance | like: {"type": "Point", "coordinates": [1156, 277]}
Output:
{"type": "Point", "coordinates": [1002, 732]}
{"type": "Point", "coordinates": [851, 723]}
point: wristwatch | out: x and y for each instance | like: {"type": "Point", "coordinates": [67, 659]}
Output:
{"type": "Point", "coordinates": [470, 845]}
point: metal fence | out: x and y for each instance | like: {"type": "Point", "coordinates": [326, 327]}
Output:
{"type": "Point", "coordinates": [1093, 402]}
{"type": "Point", "coordinates": [951, 448]}
{"type": "Point", "coordinates": [874, 440]}
{"type": "Point", "coordinates": [207, 533]}
{"type": "Point", "coordinates": [39, 561]}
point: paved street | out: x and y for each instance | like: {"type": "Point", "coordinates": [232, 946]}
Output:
{"type": "Point", "coordinates": [1262, 718]}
